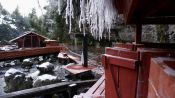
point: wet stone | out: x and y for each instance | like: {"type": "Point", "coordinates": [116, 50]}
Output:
{"type": "Point", "coordinates": [45, 67]}
{"type": "Point", "coordinates": [16, 80]}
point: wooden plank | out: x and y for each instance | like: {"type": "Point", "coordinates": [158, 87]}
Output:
{"type": "Point", "coordinates": [15, 54]}
{"type": "Point", "coordinates": [100, 89]}
{"type": "Point", "coordinates": [127, 89]}
{"type": "Point", "coordinates": [122, 53]}
{"type": "Point", "coordinates": [95, 86]}
{"type": "Point", "coordinates": [44, 90]}
{"type": "Point", "coordinates": [122, 62]}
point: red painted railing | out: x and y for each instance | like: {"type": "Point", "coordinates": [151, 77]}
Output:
{"type": "Point", "coordinates": [121, 73]}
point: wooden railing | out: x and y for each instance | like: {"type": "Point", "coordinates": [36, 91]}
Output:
{"type": "Point", "coordinates": [30, 52]}
{"type": "Point", "coordinates": [49, 90]}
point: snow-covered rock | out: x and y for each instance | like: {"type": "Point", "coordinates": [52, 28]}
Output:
{"type": "Point", "coordinates": [34, 75]}
{"type": "Point", "coordinates": [27, 63]}
{"type": "Point", "coordinates": [16, 80]}
{"type": "Point", "coordinates": [45, 67]}
{"type": "Point", "coordinates": [45, 79]}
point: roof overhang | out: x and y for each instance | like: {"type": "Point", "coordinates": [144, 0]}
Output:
{"type": "Point", "coordinates": [147, 11]}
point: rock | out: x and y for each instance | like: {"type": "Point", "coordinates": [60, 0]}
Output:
{"type": "Point", "coordinates": [9, 63]}
{"type": "Point", "coordinates": [52, 58]}
{"type": "Point", "coordinates": [34, 75]}
{"type": "Point", "coordinates": [27, 63]}
{"type": "Point", "coordinates": [45, 67]}
{"type": "Point", "coordinates": [16, 80]}
{"type": "Point", "coordinates": [38, 60]}
{"type": "Point", "coordinates": [45, 79]}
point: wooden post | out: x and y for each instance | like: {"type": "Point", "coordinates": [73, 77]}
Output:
{"type": "Point", "coordinates": [38, 41]}
{"type": "Point", "coordinates": [85, 50]}
{"type": "Point", "coordinates": [138, 35]}
{"type": "Point", "coordinates": [23, 42]}
{"type": "Point", "coordinates": [31, 44]}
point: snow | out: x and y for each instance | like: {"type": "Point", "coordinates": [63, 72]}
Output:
{"type": "Point", "coordinates": [45, 64]}
{"type": "Point", "coordinates": [82, 59]}
{"type": "Point", "coordinates": [169, 71]}
{"type": "Point", "coordinates": [13, 26]}
{"type": "Point", "coordinates": [59, 6]}
{"type": "Point", "coordinates": [6, 48]}
{"type": "Point", "coordinates": [40, 58]}
{"type": "Point", "coordinates": [11, 71]}
{"type": "Point", "coordinates": [61, 55]}
{"type": "Point", "coordinates": [46, 77]}
{"type": "Point", "coordinates": [12, 63]}
{"type": "Point", "coordinates": [34, 75]}
{"type": "Point", "coordinates": [26, 60]}
{"type": "Point", "coordinates": [71, 85]}
{"type": "Point", "coordinates": [18, 76]}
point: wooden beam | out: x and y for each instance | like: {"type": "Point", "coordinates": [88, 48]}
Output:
{"type": "Point", "coordinates": [24, 53]}
{"type": "Point", "coordinates": [154, 6]}
{"type": "Point", "coordinates": [85, 51]}
{"type": "Point", "coordinates": [154, 20]}
{"type": "Point", "coordinates": [48, 89]}
{"type": "Point", "coordinates": [130, 6]}
{"type": "Point", "coordinates": [138, 34]}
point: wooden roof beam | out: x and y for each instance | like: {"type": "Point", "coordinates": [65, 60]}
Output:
{"type": "Point", "coordinates": [130, 6]}
{"type": "Point", "coordinates": [154, 7]}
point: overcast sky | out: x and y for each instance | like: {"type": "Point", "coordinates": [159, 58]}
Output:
{"type": "Point", "coordinates": [25, 6]}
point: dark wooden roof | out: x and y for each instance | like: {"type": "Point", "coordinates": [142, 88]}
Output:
{"type": "Point", "coordinates": [27, 33]}
{"type": "Point", "coordinates": [147, 11]}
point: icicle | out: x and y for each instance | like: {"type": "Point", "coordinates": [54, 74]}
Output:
{"type": "Point", "coordinates": [59, 6]}
{"type": "Point", "coordinates": [101, 16]}
{"type": "Point", "coordinates": [69, 14]}
{"type": "Point", "coordinates": [82, 58]}
{"type": "Point", "coordinates": [82, 19]}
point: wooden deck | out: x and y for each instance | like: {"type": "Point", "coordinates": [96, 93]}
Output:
{"type": "Point", "coordinates": [30, 52]}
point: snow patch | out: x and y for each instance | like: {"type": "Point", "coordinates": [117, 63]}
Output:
{"type": "Point", "coordinates": [169, 71]}
{"type": "Point", "coordinates": [47, 77]}
{"type": "Point", "coordinates": [45, 64]}
{"type": "Point", "coordinates": [11, 71]}
{"type": "Point", "coordinates": [26, 60]}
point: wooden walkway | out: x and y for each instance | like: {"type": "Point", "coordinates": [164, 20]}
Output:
{"type": "Point", "coordinates": [30, 52]}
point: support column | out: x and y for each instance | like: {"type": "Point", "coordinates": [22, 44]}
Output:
{"type": "Point", "coordinates": [85, 51]}
{"type": "Point", "coordinates": [23, 43]}
{"type": "Point", "coordinates": [31, 44]}
{"type": "Point", "coordinates": [138, 35]}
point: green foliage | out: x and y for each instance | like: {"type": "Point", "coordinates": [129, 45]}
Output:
{"type": "Point", "coordinates": [37, 23]}
{"type": "Point", "coordinates": [162, 33]}
{"type": "Point", "coordinates": [19, 21]}
{"type": "Point", "coordinates": [6, 32]}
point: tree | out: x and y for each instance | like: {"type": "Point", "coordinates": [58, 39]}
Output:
{"type": "Point", "coordinates": [19, 21]}
{"type": "Point", "coordinates": [162, 33]}
{"type": "Point", "coordinates": [37, 23]}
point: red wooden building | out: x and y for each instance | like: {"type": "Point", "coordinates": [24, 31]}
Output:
{"type": "Point", "coordinates": [30, 39]}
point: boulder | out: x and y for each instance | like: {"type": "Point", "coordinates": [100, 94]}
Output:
{"type": "Point", "coordinates": [16, 80]}
{"type": "Point", "coordinates": [45, 79]}
{"type": "Point", "coordinates": [27, 63]}
{"type": "Point", "coordinates": [45, 67]}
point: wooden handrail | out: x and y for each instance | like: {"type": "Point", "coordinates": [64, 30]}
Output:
{"type": "Point", "coordinates": [15, 54]}
{"type": "Point", "coordinates": [48, 89]}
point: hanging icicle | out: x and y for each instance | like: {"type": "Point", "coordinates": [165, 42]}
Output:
{"type": "Point", "coordinates": [60, 2]}
{"type": "Point", "coordinates": [69, 14]}
{"type": "Point", "coordinates": [101, 15]}
{"type": "Point", "coordinates": [82, 19]}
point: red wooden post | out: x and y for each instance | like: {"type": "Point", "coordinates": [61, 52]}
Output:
{"type": "Point", "coordinates": [31, 44]}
